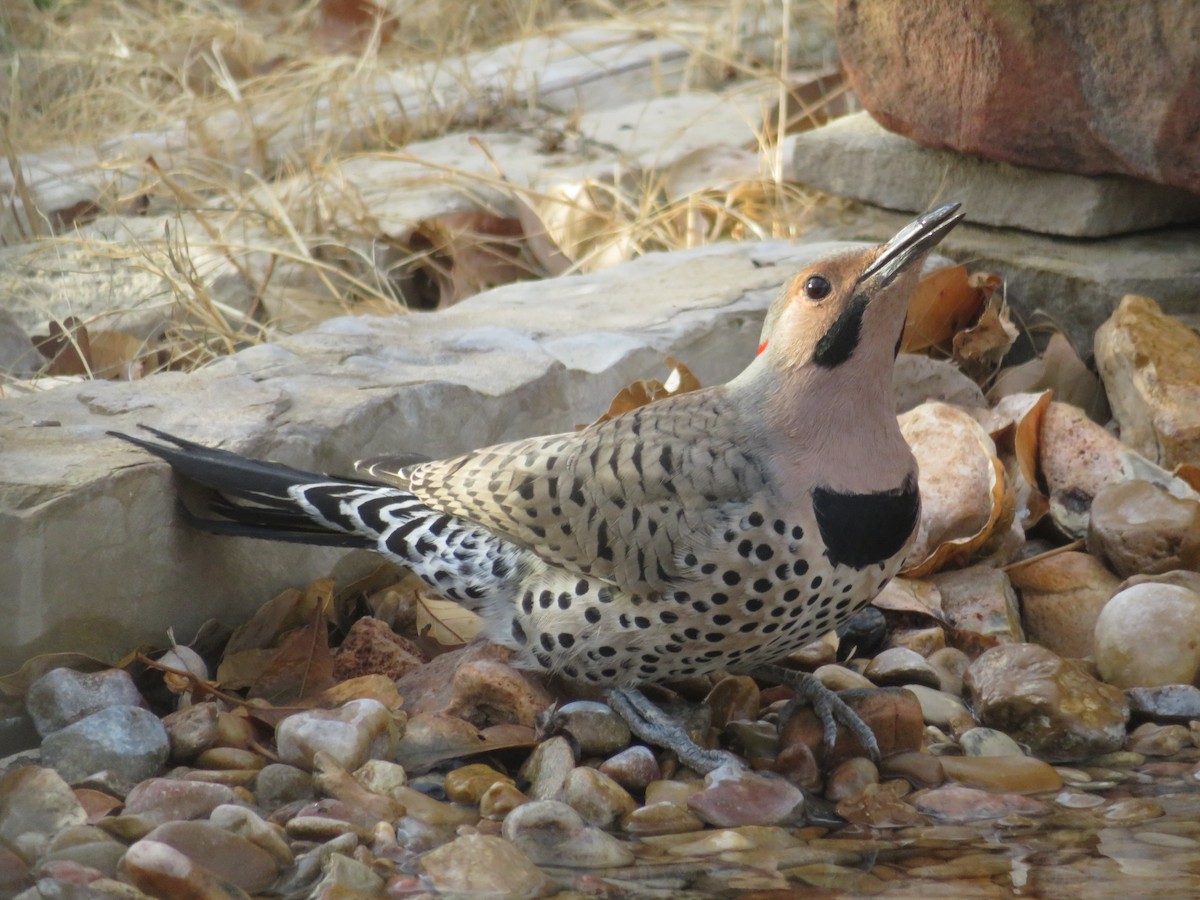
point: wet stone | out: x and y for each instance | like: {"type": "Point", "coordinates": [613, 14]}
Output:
{"type": "Point", "coordinates": [951, 665]}
{"type": "Point", "coordinates": [552, 833]}
{"type": "Point", "coordinates": [1151, 614]}
{"type": "Point", "coordinates": [596, 729]}
{"type": "Point", "coordinates": [839, 678]}
{"type": "Point", "coordinates": [1050, 704]}
{"type": "Point", "coordinates": [922, 641]}
{"type": "Point", "coordinates": [1170, 702]}
{"type": "Point", "coordinates": [850, 778]}
{"type": "Point", "coordinates": [229, 759]}
{"type": "Point", "coordinates": [959, 803]}
{"type": "Point", "coordinates": [171, 799]}
{"type": "Point", "coordinates": [228, 856]}
{"type": "Point", "coordinates": [344, 876]}
{"type": "Point", "coordinates": [278, 784]}
{"type": "Point", "coordinates": [35, 804]}
{"type": "Point", "coordinates": [892, 714]}
{"type": "Point", "coordinates": [596, 797]}
{"type": "Point", "coordinates": [863, 635]}
{"type": "Point", "coordinates": [352, 734]}
{"type": "Point", "coordinates": [246, 823]}
{"type": "Point", "coordinates": [121, 745]}
{"type": "Point", "coordinates": [662, 817]}
{"type": "Point", "coordinates": [547, 769]}
{"type": "Point", "coordinates": [63, 696]}
{"type": "Point", "coordinates": [917, 767]}
{"type": "Point", "coordinates": [670, 791]}
{"type": "Point", "coordinates": [798, 764]}
{"type": "Point", "coordinates": [632, 768]}
{"type": "Point", "coordinates": [191, 730]}
{"type": "Point", "coordinates": [469, 783]}
{"type": "Point", "coordinates": [900, 666]}
{"type": "Point", "coordinates": [1159, 740]}
{"type": "Point", "coordinates": [499, 800]}
{"type": "Point", "coordinates": [734, 796]}
{"type": "Point", "coordinates": [1002, 774]}
{"type": "Point", "coordinates": [937, 707]}
{"type": "Point", "coordinates": [735, 698]}
{"type": "Point", "coordinates": [162, 871]}
{"type": "Point", "coordinates": [988, 742]}
{"type": "Point", "coordinates": [477, 864]}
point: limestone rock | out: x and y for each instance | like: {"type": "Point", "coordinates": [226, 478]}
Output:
{"type": "Point", "coordinates": [981, 606]}
{"type": "Point", "coordinates": [1139, 528]}
{"type": "Point", "coordinates": [482, 864]}
{"type": "Point", "coordinates": [1150, 363]}
{"type": "Point", "coordinates": [1053, 705]}
{"type": "Point", "coordinates": [973, 77]}
{"type": "Point", "coordinates": [858, 158]}
{"type": "Point", "coordinates": [352, 734]}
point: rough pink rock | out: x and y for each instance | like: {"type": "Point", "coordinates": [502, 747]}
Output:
{"type": "Point", "coordinates": [1086, 88]}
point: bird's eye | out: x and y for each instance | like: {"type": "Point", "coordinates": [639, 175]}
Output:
{"type": "Point", "coordinates": [817, 287]}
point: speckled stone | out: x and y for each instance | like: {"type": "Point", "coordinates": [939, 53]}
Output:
{"type": "Point", "coordinates": [63, 696]}
{"type": "Point", "coordinates": [121, 744]}
{"type": "Point", "coordinates": [547, 768]}
{"type": "Point", "coordinates": [171, 799]}
{"type": "Point", "coordinates": [479, 865]}
{"type": "Point", "coordinates": [596, 797]}
{"type": "Point", "coordinates": [734, 796]}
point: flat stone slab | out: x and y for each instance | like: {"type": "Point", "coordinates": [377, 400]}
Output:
{"type": "Point", "coordinates": [1074, 283]}
{"type": "Point", "coordinates": [856, 157]}
{"type": "Point", "coordinates": [102, 559]}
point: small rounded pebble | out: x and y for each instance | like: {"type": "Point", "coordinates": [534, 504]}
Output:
{"type": "Point", "coordinates": [63, 696]}
{"type": "Point", "coordinates": [632, 768]}
{"type": "Point", "coordinates": [662, 817]}
{"type": "Point", "coordinates": [229, 758]}
{"type": "Point", "coordinates": [960, 803]}
{"type": "Point", "coordinates": [469, 783]}
{"type": "Point", "coordinates": [1169, 702]}
{"type": "Point", "coordinates": [900, 666]}
{"type": "Point", "coordinates": [937, 707]}
{"type": "Point", "coordinates": [480, 865]}
{"type": "Point", "coordinates": [988, 742]}
{"type": "Point", "coordinates": [595, 727]}
{"type": "Point", "coordinates": [1078, 800]}
{"type": "Point", "coordinates": [1159, 740]}
{"type": "Point", "coordinates": [192, 730]}
{"type": "Point", "coordinates": [547, 768]}
{"type": "Point", "coordinates": [850, 778]}
{"type": "Point", "coordinates": [279, 784]}
{"type": "Point", "coordinates": [247, 824]}
{"type": "Point", "coordinates": [1138, 527]}
{"type": "Point", "coordinates": [839, 678]}
{"type": "Point", "coordinates": [1007, 774]}
{"type": "Point", "coordinates": [669, 791]}
{"type": "Point", "coordinates": [228, 856]}
{"type": "Point", "coordinates": [552, 833]}
{"type": "Point", "coordinates": [351, 734]}
{"type": "Point", "coordinates": [735, 698]}
{"type": "Point", "coordinates": [1132, 811]}
{"type": "Point", "coordinates": [918, 767]}
{"type": "Point", "coordinates": [922, 641]}
{"type": "Point", "coordinates": [162, 871]}
{"type": "Point", "coordinates": [169, 798]}
{"type": "Point", "coordinates": [1165, 617]}
{"type": "Point", "coordinates": [951, 664]}
{"type": "Point", "coordinates": [596, 797]}
{"type": "Point", "coordinates": [499, 800]}
{"type": "Point", "coordinates": [734, 796]}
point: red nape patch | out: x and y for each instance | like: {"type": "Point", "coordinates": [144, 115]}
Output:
{"type": "Point", "coordinates": [761, 348]}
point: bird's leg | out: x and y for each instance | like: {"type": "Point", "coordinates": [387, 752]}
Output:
{"type": "Point", "coordinates": [653, 726]}
{"type": "Point", "coordinates": [829, 707]}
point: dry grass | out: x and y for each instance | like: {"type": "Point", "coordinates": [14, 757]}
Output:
{"type": "Point", "coordinates": [251, 227]}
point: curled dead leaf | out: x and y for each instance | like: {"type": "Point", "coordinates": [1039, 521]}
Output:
{"type": "Point", "coordinates": [943, 304]}
{"type": "Point", "coordinates": [981, 347]}
{"type": "Point", "coordinates": [680, 380]}
{"type": "Point", "coordinates": [964, 490]}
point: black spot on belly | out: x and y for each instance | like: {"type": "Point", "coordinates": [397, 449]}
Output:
{"type": "Point", "coordinates": [861, 529]}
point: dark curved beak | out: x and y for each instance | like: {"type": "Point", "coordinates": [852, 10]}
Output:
{"type": "Point", "coordinates": [911, 244]}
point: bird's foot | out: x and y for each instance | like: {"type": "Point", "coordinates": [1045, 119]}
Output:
{"type": "Point", "coordinates": [653, 726]}
{"type": "Point", "coordinates": [829, 707]}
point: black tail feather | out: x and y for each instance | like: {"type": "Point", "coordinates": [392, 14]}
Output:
{"type": "Point", "coordinates": [251, 497]}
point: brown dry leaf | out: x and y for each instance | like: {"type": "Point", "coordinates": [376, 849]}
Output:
{"type": "Point", "coordinates": [288, 610]}
{"type": "Point", "coordinates": [430, 738]}
{"type": "Point", "coordinates": [467, 252]}
{"type": "Point", "coordinates": [348, 26]}
{"type": "Point", "coordinates": [1189, 473]}
{"type": "Point", "coordinates": [964, 492]}
{"type": "Point", "coordinates": [16, 683]}
{"type": "Point", "coordinates": [981, 347]}
{"type": "Point", "coordinates": [911, 595]}
{"type": "Point", "coordinates": [1018, 444]}
{"type": "Point", "coordinates": [1058, 369]}
{"type": "Point", "coordinates": [114, 355]}
{"type": "Point", "coordinates": [444, 621]}
{"type": "Point", "coordinates": [303, 665]}
{"type": "Point", "coordinates": [647, 390]}
{"type": "Point", "coordinates": [943, 304]}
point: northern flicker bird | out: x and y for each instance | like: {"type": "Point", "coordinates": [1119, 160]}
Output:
{"type": "Point", "coordinates": [715, 530]}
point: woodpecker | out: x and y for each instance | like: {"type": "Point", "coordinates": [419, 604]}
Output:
{"type": "Point", "coordinates": [717, 530]}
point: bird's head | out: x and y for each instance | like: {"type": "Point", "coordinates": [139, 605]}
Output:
{"type": "Point", "coordinates": [847, 311]}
